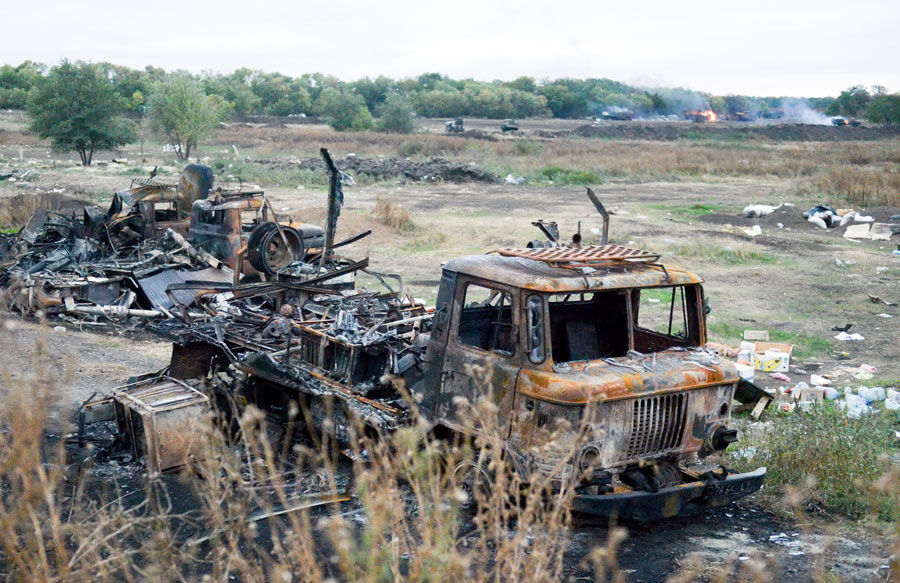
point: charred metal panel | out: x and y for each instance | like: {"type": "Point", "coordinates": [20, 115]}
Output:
{"type": "Point", "coordinates": [154, 287]}
{"type": "Point", "coordinates": [161, 420]}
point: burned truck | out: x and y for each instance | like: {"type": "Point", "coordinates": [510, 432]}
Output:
{"type": "Point", "coordinates": [593, 348]}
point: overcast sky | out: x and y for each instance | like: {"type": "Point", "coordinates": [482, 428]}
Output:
{"type": "Point", "coordinates": [763, 47]}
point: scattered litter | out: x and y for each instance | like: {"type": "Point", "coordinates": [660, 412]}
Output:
{"type": "Point", "coordinates": [872, 394]}
{"type": "Point", "coordinates": [854, 337]}
{"type": "Point", "coordinates": [779, 225]}
{"type": "Point", "coordinates": [867, 368]}
{"type": "Point", "coordinates": [822, 216]}
{"type": "Point", "coordinates": [857, 231]}
{"type": "Point", "coordinates": [880, 232]}
{"type": "Point", "coordinates": [778, 376]}
{"type": "Point", "coordinates": [753, 231]}
{"type": "Point", "coordinates": [863, 219]}
{"type": "Point", "coordinates": [756, 335]}
{"type": "Point", "coordinates": [759, 210]}
{"type": "Point", "coordinates": [59, 328]}
{"type": "Point", "coordinates": [844, 328]}
{"type": "Point", "coordinates": [510, 179]}
{"type": "Point", "coordinates": [819, 381]}
{"type": "Point", "coordinates": [877, 300]}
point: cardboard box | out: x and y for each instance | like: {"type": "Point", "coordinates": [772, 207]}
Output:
{"type": "Point", "coordinates": [772, 356]}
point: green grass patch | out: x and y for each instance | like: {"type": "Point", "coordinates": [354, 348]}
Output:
{"type": "Point", "coordinates": [694, 210]}
{"type": "Point", "coordinates": [830, 460]}
{"type": "Point", "coordinates": [559, 175]}
{"type": "Point", "coordinates": [805, 345]}
{"type": "Point", "coordinates": [283, 176]}
{"type": "Point", "coordinates": [730, 255]}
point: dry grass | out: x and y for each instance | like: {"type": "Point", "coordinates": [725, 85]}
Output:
{"type": "Point", "coordinates": [16, 210]}
{"type": "Point", "coordinates": [406, 523]}
{"type": "Point", "coordinates": [862, 186]}
{"type": "Point", "coordinates": [391, 213]}
{"type": "Point", "coordinates": [607, 159]}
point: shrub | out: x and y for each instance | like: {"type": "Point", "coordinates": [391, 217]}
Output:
{"type": "Point", "coordinates": [407, 149]}
{"type": "Point", "coordinates": [396, 115]}
{"type": "Point", "coordinates": [362, 121]}
{"type": "Point", "coordinates": [836, 461]}
{"type": "Point", "coordinates": [392, 214]}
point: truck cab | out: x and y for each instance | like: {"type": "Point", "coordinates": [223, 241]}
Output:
{"type": "Point", "coordinates": [599, 349]}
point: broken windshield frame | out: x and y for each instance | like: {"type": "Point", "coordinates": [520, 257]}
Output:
{"type": "Point", "coordinates": [598, 324]}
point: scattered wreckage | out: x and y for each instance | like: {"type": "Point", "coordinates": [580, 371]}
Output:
{"type": "Point", "coordinates": [595, 348]}
{"type": "Point", "coordinates": [142, 258]}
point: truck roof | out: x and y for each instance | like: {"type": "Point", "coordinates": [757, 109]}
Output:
{"type": "Point", "coordinates": [544, 277]}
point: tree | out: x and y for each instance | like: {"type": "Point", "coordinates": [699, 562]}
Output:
{"type": "Point", "coordinates": [396, 115]}
{"type": "Point", "coordinates": [183, 113]}
{"type": "Point", "coordinates": [77, 107]}
{"type": "Point", "coordinates": [884, 109]}
{"type": "Point", "coordinates": [851, 102]}
{"type": "Point", "coordinates": [346, 110]}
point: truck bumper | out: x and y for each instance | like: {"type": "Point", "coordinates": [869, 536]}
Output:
{"type": "Point", "coordinates": [642, 506]}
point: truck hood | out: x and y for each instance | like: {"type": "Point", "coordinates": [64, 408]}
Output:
{"type": "Point", "coordinates": [633, 375]}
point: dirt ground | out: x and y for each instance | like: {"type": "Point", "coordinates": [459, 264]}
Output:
{"type": "Point", "coordinates": [794, 280]}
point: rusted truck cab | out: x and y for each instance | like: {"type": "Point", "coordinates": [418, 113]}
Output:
{"type": "Point", "coordinates": [235, 225]}
{"type": "Point", "coordinates": [594, 359]}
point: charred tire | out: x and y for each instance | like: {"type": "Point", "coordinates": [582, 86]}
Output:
{"type": "Point", "coordinates": [267, 252]}
{"type": "Point", "coordinates": [473, 478]}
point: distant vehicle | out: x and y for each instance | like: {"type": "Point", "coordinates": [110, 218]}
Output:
{"type": "Point", "coordinates": [455, 126]}
{"type": "Point", "coordinates": [839, 121]}
{"type": "Point", "coordinates": [743, 116]}
{"type": "Point", "coordinates": [619, 115]}
{"type": "Point", "coordinates": [700, 116]}
{"type": "Point", "coordinates": [777, 114]}
{"type": "Point", "coordinates": [509, 125]}
{"type": "Point", "coordinates": [854, 122]}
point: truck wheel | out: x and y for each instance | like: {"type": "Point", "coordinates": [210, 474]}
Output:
{"type": "Point", "coordinates": [473, 479]}
{"type": "Point", "coordinates": [267, 252]}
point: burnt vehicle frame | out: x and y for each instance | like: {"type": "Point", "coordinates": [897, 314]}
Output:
{"type": "Point", "coordinates": [554, 335]}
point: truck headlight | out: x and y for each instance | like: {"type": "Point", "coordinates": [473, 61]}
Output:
{"type": "Point", "coordinates": [589, 459]}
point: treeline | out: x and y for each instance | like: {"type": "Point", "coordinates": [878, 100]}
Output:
{"type": "Point", "coordinates": [252, 92]}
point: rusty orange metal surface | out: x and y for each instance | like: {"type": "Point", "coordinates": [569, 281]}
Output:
{"type": "Point", "coordinates": [539, 276]}
{"type": "Point", "coordinates": [580, 255]}
{"type": "Point", "coordinates": [617, 378]}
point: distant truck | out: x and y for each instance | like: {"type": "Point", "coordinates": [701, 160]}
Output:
{"type": "Point", "coordinates": [617, 115]}
{"type": "Point", "coordinates": [509, 125]}
{"type": "Point", "coordinates": [455, 126]}
{"type": "Point", "coordinates": [553, 334]}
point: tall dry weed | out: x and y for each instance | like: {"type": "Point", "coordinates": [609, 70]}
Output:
{"type": "Point", "coordinates": [391, 213]}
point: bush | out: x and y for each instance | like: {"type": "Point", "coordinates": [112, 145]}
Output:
{"type": "Point", "coordinates": [392, 214]}
{"type": "Point", "coordinates": [407, 149]}
{"type": "Point", "coordinates": [884, 109]}
{"type": "Point", "coordinates": [362, 121]}
{"type": "Point", "coordinates": [835, 461]}
{"type": "Point", "coordinates": [396, 115]}
{"type": "Point", "coordinates": [347, 111]}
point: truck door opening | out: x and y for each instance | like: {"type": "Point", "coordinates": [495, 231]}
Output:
{"type": "Point", "coordinates": [486, 320]}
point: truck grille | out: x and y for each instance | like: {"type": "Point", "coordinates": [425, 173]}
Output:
{"type": "Point", "coordinates": [657, 424]}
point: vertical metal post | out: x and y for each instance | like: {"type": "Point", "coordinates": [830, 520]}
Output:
{"type": "Point", "coordinates": [335, 200]}
{"type": "Point", "coordinates": [602, 210]}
